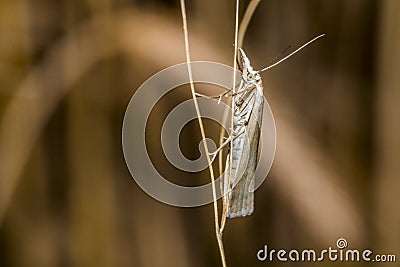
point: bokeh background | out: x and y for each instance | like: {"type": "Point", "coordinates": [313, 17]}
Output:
{"type": "Point", "coordinates": [69, 68]}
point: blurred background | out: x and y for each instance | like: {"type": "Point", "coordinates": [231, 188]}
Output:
{"type": "Point", "coordinates": [69, 68]}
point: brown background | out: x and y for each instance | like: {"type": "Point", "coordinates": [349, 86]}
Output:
{"type": "Point", "coordinates": [69, 68]}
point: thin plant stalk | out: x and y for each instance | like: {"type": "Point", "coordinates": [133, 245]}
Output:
{"type": "Point", "coordinates": [246, 20]}
{"type": "Point", "coordinates": [188, 61]}
{"type": "Point", "coordinates": [221, 171]}
{"type": "Point", "coordinates": [225, 201]}
{"type": "Point", "coordinates": [239, 37]}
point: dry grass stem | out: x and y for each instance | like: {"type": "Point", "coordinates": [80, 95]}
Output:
{"type": "Point", "coordinates": [246, 20]}
{"type": "Point", "coordinates": [225, 201]}
{"type": "Point", "coordinates": [203, 135]}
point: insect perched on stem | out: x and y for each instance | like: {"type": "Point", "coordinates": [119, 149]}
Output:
{"type": "Point", "coordinates": [247, 117]}
{"type": "Point", "coordinates": [241, 162]}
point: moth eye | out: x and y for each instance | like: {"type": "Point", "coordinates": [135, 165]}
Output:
{"type": "Point", "coordinates": [250, 76]}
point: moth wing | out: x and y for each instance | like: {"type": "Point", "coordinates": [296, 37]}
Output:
{"type": "Point", "coordinates": [241, 197]}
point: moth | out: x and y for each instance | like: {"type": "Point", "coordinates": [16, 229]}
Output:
{"type": "Point", "coordinates": [241, 162]}
{"type": "Point", "coordinates": [248, 103]}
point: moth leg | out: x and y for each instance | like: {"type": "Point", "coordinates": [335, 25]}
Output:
{"type": "Point", "coordinates": [205, 96]}
{"type": "Point", "coordinates": [242, 91]}
{"type": "Point", "coordinates": [225, 93]}
{"type": "Point", "coordinates": [215, 153]}
{"type": "Point", "coordinates": [228, 140]}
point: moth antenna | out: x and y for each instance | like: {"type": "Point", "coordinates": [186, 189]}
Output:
{"type": "Point", "coordinates": [281, 54]}
{"type": "Point", "coordinates": [291, 54]}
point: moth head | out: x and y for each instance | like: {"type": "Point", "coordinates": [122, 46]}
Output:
{"type": "Point", "coordinates": [249, 75]}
